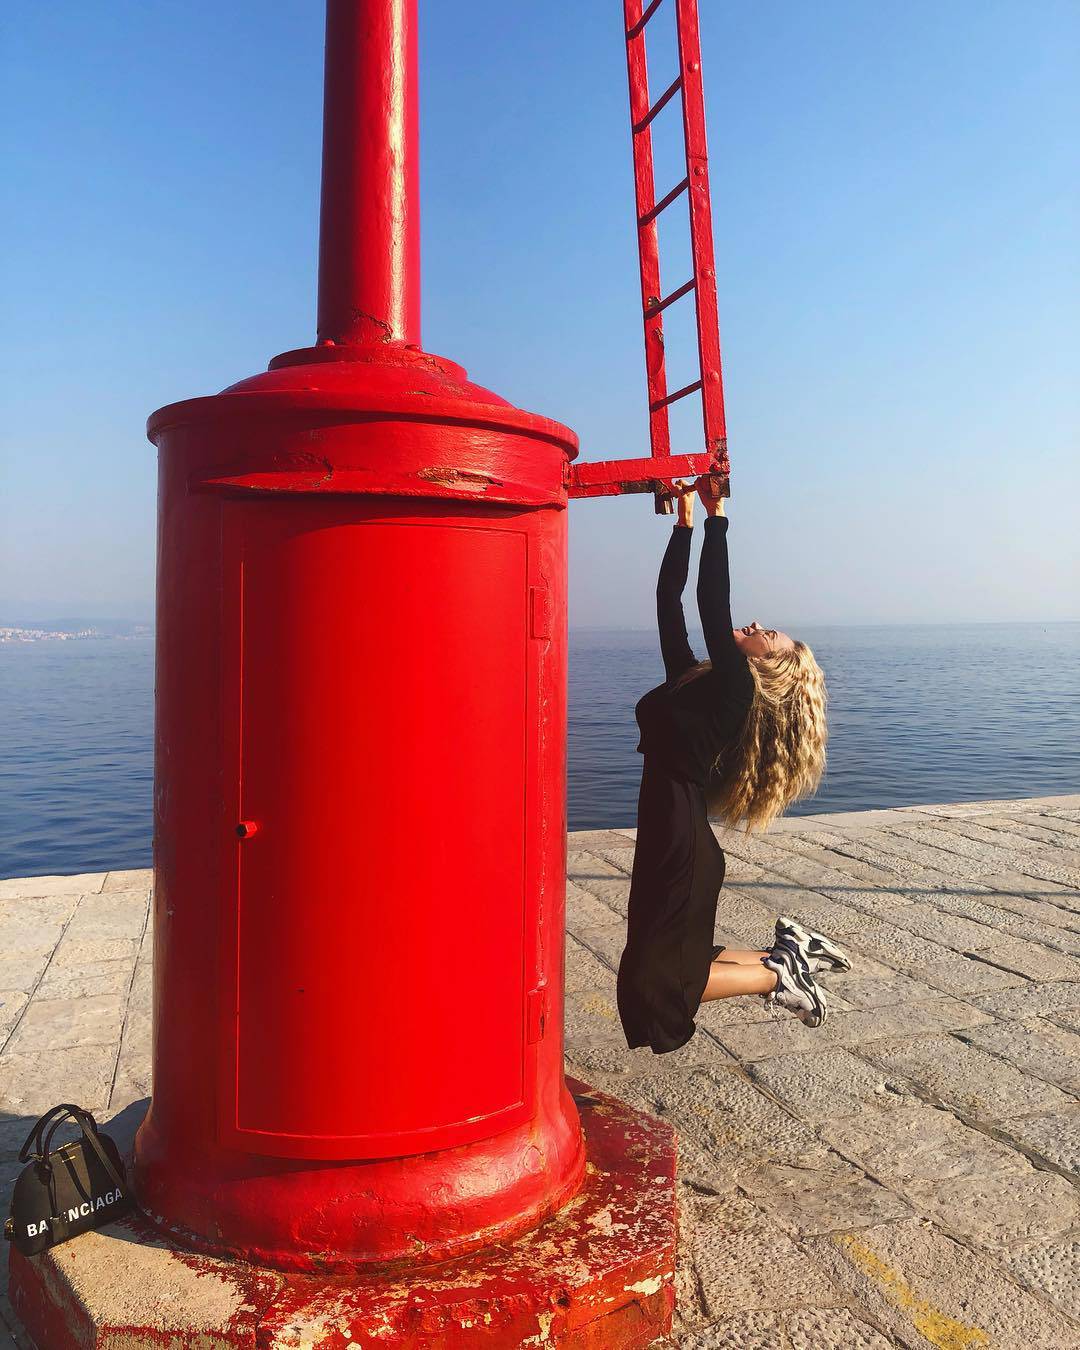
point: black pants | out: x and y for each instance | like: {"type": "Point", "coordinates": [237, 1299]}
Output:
{"type": "Point", "coordinates": [678, 871]}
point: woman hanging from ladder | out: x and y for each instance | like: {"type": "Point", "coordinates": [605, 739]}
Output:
{"type": "Point", "coordinates": [740, 736]}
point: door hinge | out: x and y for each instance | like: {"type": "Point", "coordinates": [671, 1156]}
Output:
{"type": "Point", "coordinates": [539, 612]}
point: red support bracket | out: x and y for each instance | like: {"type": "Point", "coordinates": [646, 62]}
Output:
{"type": "Point", "coordinates": [653, 473]}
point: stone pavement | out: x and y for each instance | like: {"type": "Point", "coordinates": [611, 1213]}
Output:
{"type": "Point", "coordinates": [903, 1176]}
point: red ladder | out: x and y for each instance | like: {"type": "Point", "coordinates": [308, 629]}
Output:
{"type": "Point", "coordinates": [654, 473]}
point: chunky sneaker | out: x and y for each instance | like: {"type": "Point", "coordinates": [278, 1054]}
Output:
{"type": "Point", "coordinates": [796, 989]}
{"type": "Point", "coordinates": [819, 953]}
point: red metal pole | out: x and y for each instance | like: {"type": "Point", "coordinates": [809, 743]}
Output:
{"type": "Point", "coordinates": [337, 1111]}
{"type": "Point", "coordinates": [369, 245]}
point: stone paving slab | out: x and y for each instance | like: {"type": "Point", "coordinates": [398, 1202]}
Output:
{"type": "Point", "coordinates": [905, 1177]}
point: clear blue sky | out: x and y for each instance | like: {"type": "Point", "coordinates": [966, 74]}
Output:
{"type": "Point", "coordinates": [897, 230]}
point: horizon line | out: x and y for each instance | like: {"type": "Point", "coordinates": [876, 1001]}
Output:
{"type": "Point", "coordinates": [42, 623]}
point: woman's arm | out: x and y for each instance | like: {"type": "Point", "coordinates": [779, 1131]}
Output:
{"type": "Point", "coordinates": [674, 644]}
{"type": "Point", "coordinates": [714, 590]}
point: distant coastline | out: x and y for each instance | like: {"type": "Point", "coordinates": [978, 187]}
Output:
{"type": "Point", "coordinates": [73, 630]}
{"type": "Point", "coordinates": [27, 631]}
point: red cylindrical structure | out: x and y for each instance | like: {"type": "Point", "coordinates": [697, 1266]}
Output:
{"type": "Point", "coordinates": [360, 763]}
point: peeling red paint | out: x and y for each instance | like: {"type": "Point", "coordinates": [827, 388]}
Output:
{"type": "Point", "coordinates": [599, 1274]}
{"type": "Point", "coordinates": [453, 477]}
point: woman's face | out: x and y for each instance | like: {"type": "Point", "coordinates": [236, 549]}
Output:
{"type": "Point", "coordinates": [753, 640]}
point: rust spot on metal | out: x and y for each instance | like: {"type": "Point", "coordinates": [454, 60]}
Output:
{"type": "Point", "coordinates": [447, 476]}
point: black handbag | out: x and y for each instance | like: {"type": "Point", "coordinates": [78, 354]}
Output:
{"type": "Point", "coordinates": [67, 1190]}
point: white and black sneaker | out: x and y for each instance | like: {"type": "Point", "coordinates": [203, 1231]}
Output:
{"type": "Point", "coordinates": [796, 989]}
{"type": "Point", "coordinates": [818, 951]}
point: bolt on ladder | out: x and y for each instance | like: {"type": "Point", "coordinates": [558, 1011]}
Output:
{"type": "Point", "coordinates": [654, 473]}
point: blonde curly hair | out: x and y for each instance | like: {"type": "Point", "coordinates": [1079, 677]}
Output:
{"type": "Point", "coordinates": [780, 756]}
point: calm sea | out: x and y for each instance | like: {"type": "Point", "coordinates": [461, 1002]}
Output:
{"type": "Point", "coordinates": [917, 714]}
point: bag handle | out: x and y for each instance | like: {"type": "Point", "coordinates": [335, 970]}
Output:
{"type": "Point", "coordinates": [78, 1114]}
{"type": "Point", "coordinates": [88, 1125]}
{"type": "Point", "coordinates": [64, 1109]}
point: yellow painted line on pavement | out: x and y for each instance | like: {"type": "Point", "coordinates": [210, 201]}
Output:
{"type": "Point", "coordinates": [939, 1328]}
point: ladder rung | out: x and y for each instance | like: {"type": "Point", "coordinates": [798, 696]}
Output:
{"type": "Point", "coordinates": [679, 393]}
{"type": "Point", "coordinates": [632, 33]}
{"type": "Point", "coordinates": [650, 310]}
{"type": "Point", "coordinates": [661, 103]}
{"type": "Point", "coordinates": [675, 191]}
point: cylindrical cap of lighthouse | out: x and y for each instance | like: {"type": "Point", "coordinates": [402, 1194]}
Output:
{"type": "Point", "coordinates": [360, 762]}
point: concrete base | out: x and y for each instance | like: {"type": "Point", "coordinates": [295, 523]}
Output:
{"type": "Point", "coordinates": [598, 1274]}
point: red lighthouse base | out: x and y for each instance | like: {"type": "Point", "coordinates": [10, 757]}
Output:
{"type": "Point", "coordinates": [600, 1273]}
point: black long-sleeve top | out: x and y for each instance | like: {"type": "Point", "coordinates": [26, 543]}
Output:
{"type": "Point", "coordinates": [684, 730]}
